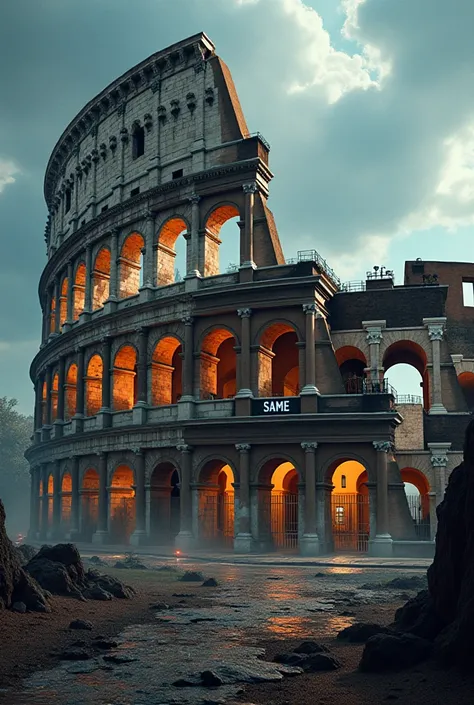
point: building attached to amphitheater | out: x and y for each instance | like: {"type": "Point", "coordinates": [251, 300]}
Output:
{"type": "Point", "coordinates": [244, 409]}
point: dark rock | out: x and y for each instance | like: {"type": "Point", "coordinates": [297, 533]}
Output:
{"type": "Point", "coordinates": [96, 560]}
{"type": "Point", "coordinates": [131, 562]}
{"type": "Point", "coordinates": [210, 679]}
{"type": "Point", "coordinates": [418, 617]}
{"type": "Point", "coordinates": [119, 658]}
{"type": "Point", "coordinates": [183, 683]}
{"type": "Point", "coordinates": [346, 613]}
{"type": "Point", "coordinates": [19, 607]}
{"type": "Point", "coordinates": [26, 552]}
{"type": "Point", "coordinates": [58, 569]}
{"type": "Point", "coordinates": [159, 606]}
{"type": "Point", "coordinates": [210, 582]}
{"type": "Point", "coordinates": [196, 620]}
{"type": "Point", "coordinates": [389, 652]}
{"type": "Point", "coordinates": [310, 647]}
{"type": "Point", "coordinates": [192, 576]}
{"type": "Point", "coordinates": [104, 644]}
{"type": "Point", "coordinates": [74, 655]}
{"type": "Point", "coordinates": [97, 593]}
{"type": "Point", "coordinates": [321, 575]}
{"type": "Point", "coordinates": [289, 659]}
{"type": "Point", "coordinates": [415, 582]}
{"type": "Point", "coordinates": [273, 577]}
{"type": "Point", "coordinates": [183, 594]}
{"type": "Point", "coordinates": [319, 662]}
{"type": "Point", "coordinates": [81, 624]}
{"type": "Point", "coordinates": [109, 584]}
{"type": "Point", "coordinates": [359, 632]}
{"type": "Point", "coordinates": [16, 585]}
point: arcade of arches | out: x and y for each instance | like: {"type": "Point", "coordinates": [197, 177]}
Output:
{"type": "Point", "coordinates": [278, 510]}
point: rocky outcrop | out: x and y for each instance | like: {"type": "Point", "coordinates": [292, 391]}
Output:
{"type": "Point", "coordinates": [445, 612]}
{"type": "Point", "coordinates": [16, 586]}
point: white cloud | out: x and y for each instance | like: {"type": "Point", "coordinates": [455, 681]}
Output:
{"type": "Point", "coordinates": [7, 172]}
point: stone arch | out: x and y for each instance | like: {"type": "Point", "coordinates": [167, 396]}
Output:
{"type": "Point", "coordinates": [93, 385]}
{"type": "Point", "coordinates": [79, 291]}
{"type": "Point", "coordinates": [278, 509]}
{"type": "Point", "coordinates": [124, 392]}
{"type": "Point", "coordinates": [466, 382]}
{"type": "Point", "coordinates": [167, 240]}
{"type": "Point", "coordinates": [278, 360]}
{"type": "Point", "coordinates": [70, 392]}
{"type": "Point", "coordinates": [216, 499]}
{"type": "Point", "coordinates": [52, 315]}
{"type": "Point", "coordinates": [349, 508]}
{"type": "Point", "coordinates": [215, 218]}
{"type": "Point", "coordinates": [408, 352]}
{"type": "Point", "coordinates": [121, 504]}
{"type": "Point", "coordinates": [44, 403]}
{"type": "Point", "coordinates": [218, 364]}
{"type": "Point", "coordinates": [166, 371]}
{"type": "Point", "coordinates": [63, 301]}
{"type": "Point", "coordinates": [131, 265]}
{"type": "Point", "coordinates": [418, 504]}
{"type": "Point", "coordinates": [89, 502]}
{"type": "Point", "coordinates": [66, 501]}
{"type": "Point", "coordinates": [164, 513]}
{"type": "Point", "coordinates": [54, 396]}
{"type": "Point", "coordinates": [101, 278]}
{"type": "Point", "coordinates": [352, 364]}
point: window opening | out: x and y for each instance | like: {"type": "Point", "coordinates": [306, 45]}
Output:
{"type": "Point", "coordinates": [177, 174]}
{"type": "Point", "coordinates": [138, 144]}
{"type": "Point", "coordinates": [68, 200]}
{"type": "Point", "coordinates": [135, 191]}
{"type": "Point", "coordinates": [343, 481]}
{"type": "Point", "coordinates": [468, 293]}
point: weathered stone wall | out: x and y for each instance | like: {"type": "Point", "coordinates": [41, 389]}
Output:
{"type": "Point", "coordinates": [409, 435]}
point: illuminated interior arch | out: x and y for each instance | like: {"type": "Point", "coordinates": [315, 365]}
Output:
{"type": "Point", "coordinates": [131, 265]}
{"type": "Point", "coordinates": [70, 392]}
{"type": "Point", "coordinates": [219, 217]}
{"type": "Point", "coordinates": [352, 363]}
{"type": "Point", "coordinates": [93, 386]}
{"type": "Point", "coordinates": [164, 503]}
{"type": "Point", "coordinates": [101, 278]}
{"type": "Point", "coordinates": [218, 366]}
{"type": "Point", "coordinates": [89, 503]}
{"type": "Point", "coordinates": [167, 250]}
{"type": "Point", "coordinates": [79, 291]}
{"type": "Point", "coordinates": [466, 382]}
{"type": "Point", "coordinates": [63, 302]}
{"type": "Point", "coordinates": [122, 505]}
{"type": "Point", "coordinates": [66, 501]}
{"type": "Point", "coordinates": [54, 397]}
{"type": "Point", "coordinates": [216, 503]}
{"type": "Point", "coordinates": [166, 372]}
{"type": "Point", "coordinates": [407, 352]}
{"type": "Point", "coordinates": [278, 362]}
{"type": "Point", "coordinates": [350, 506]}
{"type": "Point", "coordinates": [124, 379]}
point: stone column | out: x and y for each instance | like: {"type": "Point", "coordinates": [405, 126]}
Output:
{"type": "Point", "coordinates": [192, 261]}
{"type": "Point", "coordinates": [185, 539]}
{"type": "Point", "coordinates": [374, 338]}
{"type": "Point", "coordinates": [75, 499]}
{"type": "Point", "coordinates": [78, 418]}
{"type": "Point", "coordinates": [101, 536]}
{"type": "Point", "coordinates": [243, 541]}
{"type": "Point", "coordinates": [439, 463]}
{"type": "Point", "coordinates": [113, 281]}
{"type": "Point", "coordinates": [324, 516]}
{"type": "Point", "coordinates": [46, 430]}
{"type": "Point", "coordinates": [39, 406]}
{"type": "Point", "coordinates": [56, 531]}
{"type": "Point", "coordinates": [435, 328]}
{"type": "Point", "coordinates": [70, 297]}
{"type": "Point", "coordinates": [104, 414]}
{"type": "Point", "coordinates": [44, 502]}
{"type": "Point", "coordinates": [309, 545]}
{"type": "Point", "coordinates": [148, 259]}
{"type": "Point", "coordinates": [372, 488]}
{"type": "Point", "coordinates": [85, 315]}
{"type": "Point", "coordinates": [139, 536]}
{"type": "Point", "coordinates": [433, 517]}
{"type": "Point", "coordinates": [34, 503]}
{"type": "Point", "coordinates": [59, 421]}
{"type": "Point", "coordinates": [245, 383]}
{"type": "Point", "coordinates": [310, 311]}
{"type": "Point", "coordinates": [246, 244]}
{"type": "Point", "coordinates": [186, 403]}
{"type": "Point", "coordinates": [381, 545]}
{"type": "Point", "coordinates": [141, 405]}
{"type": "Point", "coordinates": [57, 310]}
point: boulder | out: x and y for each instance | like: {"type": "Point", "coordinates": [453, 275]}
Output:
{"type": "Point", "coordinates": [192, 576]}
{"type": "Point", "coordinates": [319, 662]}
{"type": "Point", "coordinates": [414, 582]}
{"type": "Point", "coordinates": [310, 647]}
{"type": "Point", "coordinates": [389, 652]}
{"type": "Point", "coordinates": [16, 585]}
{"type": "Point", "coordinates": [210, 582]}
{"type": "Point", "coordinates": [159, 606]}
{"type": "Point", "coordinates": [97, 593]}
{"type": "Point", "coordinates": [210, 679]}
{"type": "Point", "coordinates": [360, 632]}
{"type": "Point", "coordinates": [81, 624]}
{"type": "Point", "coordinates": [289, 659]}
{"type": "Point", "coordinates": [74, 654]}
{"type": "Point", "coordinates": [109, 584]}
{"type": "Point", "coordinates": [26, 552]}
{"type": "Point", "coordinates": [19, 607]}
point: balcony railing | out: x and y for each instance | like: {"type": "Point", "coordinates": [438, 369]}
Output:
{"type": "Point", "coordinates": [408, 399]}
{"type": "Point", "coordinates": [314, 256]}
{"type": "Point", "coordinates": [378, 387]}
{"type": "Point", "coordinates": [347, 287]}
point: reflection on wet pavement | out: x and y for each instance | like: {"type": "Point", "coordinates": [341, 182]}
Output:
{"type": "Point", "coordinates": [223, 638]}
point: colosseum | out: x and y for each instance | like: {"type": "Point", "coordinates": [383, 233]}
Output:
{"type": "Point", "coordinates": [246, 409]}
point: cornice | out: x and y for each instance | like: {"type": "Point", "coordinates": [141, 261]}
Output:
{"type": "Point", "coordinates": [191, 51]}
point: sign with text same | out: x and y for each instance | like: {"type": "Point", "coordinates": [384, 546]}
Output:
{"type": "Point", "coordinates": [276, 406]}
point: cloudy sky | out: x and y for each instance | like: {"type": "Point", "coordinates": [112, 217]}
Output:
{"type": "Point", "coordinates": [368, 107]}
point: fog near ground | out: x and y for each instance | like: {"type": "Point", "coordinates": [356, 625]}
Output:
{"type": "Point", "coordinates": [15, 436]}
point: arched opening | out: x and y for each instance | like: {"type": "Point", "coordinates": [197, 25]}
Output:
{"type": "Point", "coordinates": [352, 364]}
{"type": "Point", "coordinates": [122, 505]}
{"type": "Point", "coordinates": [166, 372]}
{"type": "Point", "coordinates": [164, 504]}
{"type": "Point", "coordinates": [284, 506]}
{"type": "Point", "coordinates": [63, 302]}
{"type": "Point", "coordinates": [124, 379]}
{"type": "Point", "coordinates": [44, 403]}
{"type": "Point", "coordinates": [138, 141]}
{"type": "Point", "coordinates": [66, 502]}
{"type": "Point", "coordinates": [350, 507]}
{"type": "Point", "coordinates": [170, 251]}
{"type": "Point", "coordinates": [130, 266]}
{"type": "Point", "coordinates": [218, 365]}
{"type": "Point", "coordinates": [216, 504]}
{"type": "Point", "coordinates": [89, 504]}
{"type": "Point", "coordinates": [93, 383]}
{"type": "Point", "coordinates": [54, 397]}
{"type": "Point", "coordinates": [52, 316]}
{"type": "Point", "coordinates": [79, 291]}
{"type": "Point", "coordinates": [408, 374]}
{"type": "Point", "coordinates": [278, 362]}
{"type": "Point", "coordinates": [216, 258]}
{"type": "Point", "coordinates": [466, 382]}
{"type": "Point", "coordinates": [70, 392]}
{"type": "Point", "coordinates": [49, 499]}
{"type": "Point", "coordinates": [417, 490]}
{"type": "Point", "coordinates": [101, 279]}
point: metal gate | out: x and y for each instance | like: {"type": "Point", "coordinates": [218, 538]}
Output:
{"type": "Point", "coordinates": [419, 506]}
{"type": "Point", "coordinates": [90, 515]}
{"type": "Point", "coordinates": [216, 519]}
{"type": "Point", "coordinates": [350, 522]}
{"type": "Point", "coordinates": [284, 520]}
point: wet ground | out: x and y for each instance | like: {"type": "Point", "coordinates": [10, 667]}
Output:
{"type": "Point", "coordinates": [250, 605]}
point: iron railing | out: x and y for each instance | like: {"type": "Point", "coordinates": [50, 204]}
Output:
{"type": "Point", "coordinates": [353, 286]}
{"type": "Point", "coordinates": [408, 399]}
{"type": "Point", "coordinates": [314, 256]}
{"type": "Point", "coordinates": [378, 387]}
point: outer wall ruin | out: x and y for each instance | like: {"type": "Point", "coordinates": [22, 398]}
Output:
{"type": "Point", "coordinates": [150, 426]}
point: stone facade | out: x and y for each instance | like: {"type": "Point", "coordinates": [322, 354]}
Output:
{"type": "Point", "coordinates": [150, 422]}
